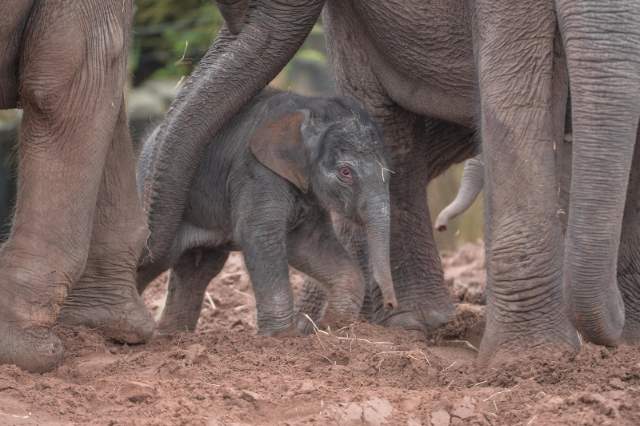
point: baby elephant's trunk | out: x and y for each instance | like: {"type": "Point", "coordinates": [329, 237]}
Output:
{"type": "Point", "coordinates": [378, 227]}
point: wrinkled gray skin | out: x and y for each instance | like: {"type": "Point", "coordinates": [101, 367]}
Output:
{"type": "Point", "coordinates": [580, 276]}
{"type": "Point", "coordinates": [268, 185]}
{"type": "Point", "coordinates": [628, 255]}
{"type": "Point", "coordinates": [421, 141]}
{"type": "Point", "coordinates": [79, 226]}
{"type": "Point", "coordinates": [413, 65]}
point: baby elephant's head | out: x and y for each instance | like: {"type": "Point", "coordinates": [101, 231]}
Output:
{"type": "Point", "coordinates": [334, 151]}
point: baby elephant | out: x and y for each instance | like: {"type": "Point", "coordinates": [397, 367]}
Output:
{"type": "Point", "coordinates": [268, 185]}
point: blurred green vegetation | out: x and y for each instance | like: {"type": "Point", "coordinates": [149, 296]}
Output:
{"type": "Point", "coordinates": [171, 36]}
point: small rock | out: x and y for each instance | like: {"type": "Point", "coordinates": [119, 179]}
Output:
{"type": "Point", "coordinates": [376, 411]}
{"type": "Point", "coordinates": [91, 364]}
{"type": "Point", "coordinates": [412, 421]}
{"type": "Point", "coordinates": [592, 398]}
{"type": "Point", "coordinates": [411, 404]}
{"type": "Point", "coordinates": [616, 383]}
{"type": "Point", "coordinates": [556, 401]}
{"type": "Point", "coordinates": [465, 408]}
{"type": "Point", "coordinates": [306, 386]}
{"type": "Point", "coordinates": [540, 395]}
{"type": "Point", "coordinates": [137, 392]}
{"type": "Point", "coordinates": [440, 418]}
{"type": "Point", "coordinates": [250, 396]}
{"type": "Point", "coordinates": [194, 352]}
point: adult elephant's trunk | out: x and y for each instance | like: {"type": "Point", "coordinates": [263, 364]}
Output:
{"type": "Point", "coordinates": [377, 220]}
{"type": "Point", "coordinates": [601, 42]}
{"type": "Point", "coordinates": [470, 186]}
{"type": "Point", "coordinates": [233, 71]}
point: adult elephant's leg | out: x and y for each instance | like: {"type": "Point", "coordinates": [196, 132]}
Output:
{"type": "Point", "coordinates": [424, 300]}
{"type": "Point", "coordinates": [629, 255]}
{"type": "Point", "coordinates": [417, 273]}
{"type": "Point", "coordinates": [515, 56]}
{"type": "Point", "coordinates": [73, 70]}
{"type": "Point", "coordinates": [605, 114]}
{"type": "Point", "coordinates": [106, 297]}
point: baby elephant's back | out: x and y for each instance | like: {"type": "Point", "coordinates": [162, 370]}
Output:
{"type": "Point", "coordinates": [227, 165]}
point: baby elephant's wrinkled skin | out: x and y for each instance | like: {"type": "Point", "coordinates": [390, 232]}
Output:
{"type": "Point", "coordinates": [268, 185]}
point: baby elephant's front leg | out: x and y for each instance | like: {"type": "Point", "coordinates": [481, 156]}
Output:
{"type": "Point", "coordinates": [265, 256]}
{"type": "Point", "coordinates": [315, 250]}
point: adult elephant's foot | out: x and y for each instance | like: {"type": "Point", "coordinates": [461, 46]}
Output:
{"type": "Point", "coordinates": [35, 349]}
{"type": "Point", "coordinates": [631, 332]}
{"type": "Point", "coordinates": [629, 283]}
{"type": "Point", "coordinates": [27, 312]}
{"type": "Point", "coordinates": [111, 306]}
{"type": "Point", "coordinates": [290, 330]}
{"type": "Point", "coordinates": [424, 307]}
{"type": "Point", "coordinates": [504, 343]}
{"type": "Point", "coordinates": [420, 317]}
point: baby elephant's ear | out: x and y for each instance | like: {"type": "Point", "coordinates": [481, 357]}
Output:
{"type": "Point", "coordinates": [278, 145]}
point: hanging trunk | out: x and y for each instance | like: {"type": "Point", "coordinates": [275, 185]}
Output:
{"type": "Point", "coordinates": [378, 229]}
{"type": "Point", "coordinates": [232, 72]}
{"type": "Point", "coordinates": [601, 42]}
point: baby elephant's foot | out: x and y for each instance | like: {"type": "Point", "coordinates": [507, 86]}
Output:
{"type": "Point", "coordinates": [338, 317]}
{"type": "Point", "coordinates": [306, 323]}
{"type": "Point", "coordinates": [184, 319]}
{"type": "Point", "coordinates": [418, 318]}
{"type": "Point", "coordinates": [114, 308]}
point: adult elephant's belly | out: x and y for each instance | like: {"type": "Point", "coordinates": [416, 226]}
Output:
{"type": "Point", "coordinates": [422, 53]}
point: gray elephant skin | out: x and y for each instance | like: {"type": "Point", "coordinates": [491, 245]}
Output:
{"type": "Point", "coordinates": [269, 184]}
{"type": "Point", "coordinates": [79, 226]}
{"type": "Point", "coordinates": [413, 66]}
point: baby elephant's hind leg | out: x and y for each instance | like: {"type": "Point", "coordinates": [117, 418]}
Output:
{"type": "Point", "coordinates": [315, 250]}
{"type": "Point", "coordinates": [188, 282]}
{"type": "Point", "coordinates": [310, 305]}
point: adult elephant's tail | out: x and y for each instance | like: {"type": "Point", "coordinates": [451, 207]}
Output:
{"type": "Point", "coordinates": [470, 188]}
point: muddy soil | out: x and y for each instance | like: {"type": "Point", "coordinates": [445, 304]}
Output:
{"type": "Point", "coordinates": [226, 375]}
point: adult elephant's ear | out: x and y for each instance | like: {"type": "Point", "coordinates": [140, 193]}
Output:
{"type": "Point", "coordinates": [278, 145]}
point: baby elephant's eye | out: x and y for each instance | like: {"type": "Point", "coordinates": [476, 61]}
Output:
{"type": "Point", "coordinates": [345, 174]}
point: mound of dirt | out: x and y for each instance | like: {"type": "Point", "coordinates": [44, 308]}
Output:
{"type": "Point", "coordinates": [224, 374]}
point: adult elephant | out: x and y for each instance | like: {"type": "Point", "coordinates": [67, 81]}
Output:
{"type": "Point", "coordinates": [79, 226]}
{"type": "Point", "coordinates": [605, 113]}
{"type": "Point", "coordinates": [412, 64]}
{"type": "Point", "coordinates": [522, 61]}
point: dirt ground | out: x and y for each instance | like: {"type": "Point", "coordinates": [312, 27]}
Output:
{"type": "Point", "coordinates": [225, 375]}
